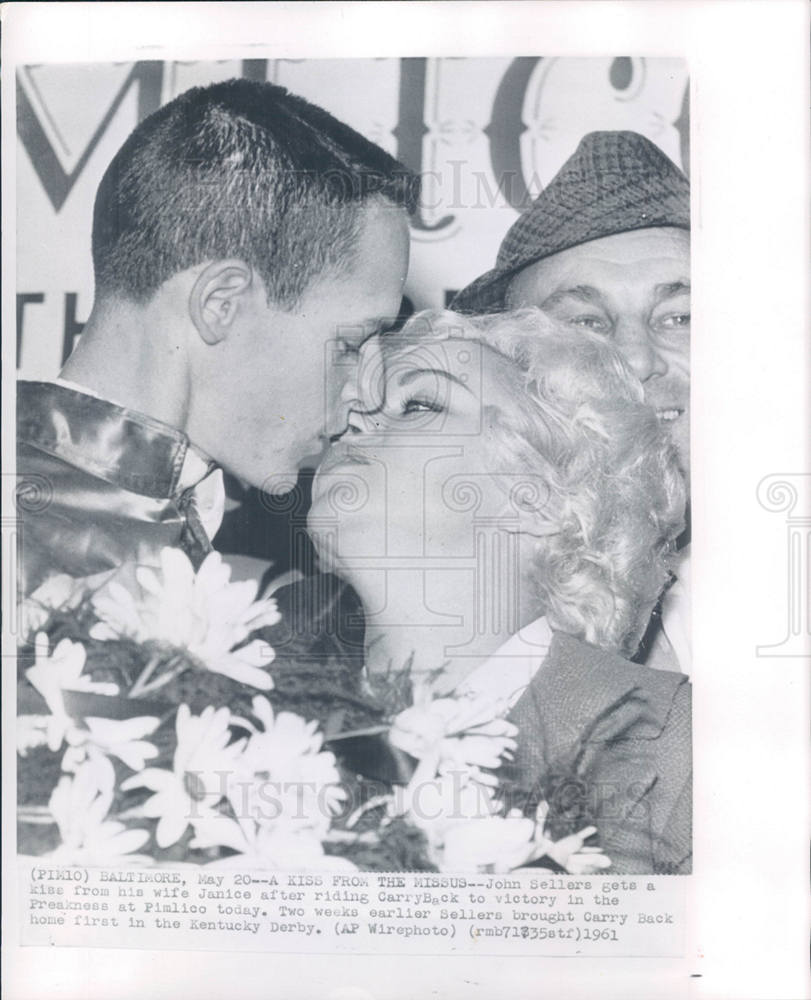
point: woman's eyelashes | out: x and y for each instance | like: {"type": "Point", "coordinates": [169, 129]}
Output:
{"type": "Point", "coordinates": [418, 404]}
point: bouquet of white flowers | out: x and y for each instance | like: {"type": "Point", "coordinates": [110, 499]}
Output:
{"type": "Point", "coordinates": [149, 733]}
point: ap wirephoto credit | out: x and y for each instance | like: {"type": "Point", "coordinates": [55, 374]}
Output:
{"type": "Point", "coordinates": [352, 514]}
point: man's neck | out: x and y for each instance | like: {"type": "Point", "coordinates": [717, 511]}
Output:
{"type": "Point", "coordinates": [124, 355]}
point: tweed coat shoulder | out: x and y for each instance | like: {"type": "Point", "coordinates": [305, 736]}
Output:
{"type": "Point", "coordinates": [626, 729]}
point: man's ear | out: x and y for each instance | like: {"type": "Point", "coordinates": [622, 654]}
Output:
{"type": "Point", "coordinates": [216, 295]}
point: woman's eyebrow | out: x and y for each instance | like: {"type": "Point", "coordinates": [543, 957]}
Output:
{"type": "Point", "coordinates": [414, 373]}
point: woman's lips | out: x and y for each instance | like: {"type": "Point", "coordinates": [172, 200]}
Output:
{"type": "Point", "coordinates": [342, 454]}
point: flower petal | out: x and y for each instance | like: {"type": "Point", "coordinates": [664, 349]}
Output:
{"type": "Point", "coordinates": [171, 827]}
{"type": "Point", "coordinates": [125, 842]}
{"type": "Point", "coordinates": [155, 778]}
{"type": "Point", "coordinates": [121, 730]}
{"type": "Point", "coordinates": [243, 673]}
{"type": "Point", "coordinates": [219, 831]}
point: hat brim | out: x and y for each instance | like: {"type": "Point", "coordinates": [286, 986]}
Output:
{"type": "Point", "coordinates": [485, 294]}
{"type": "Point", "coordinates": [615, 182]}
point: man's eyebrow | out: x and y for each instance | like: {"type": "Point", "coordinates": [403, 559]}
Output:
{"type": "Point", "coordinates": [670, 290]}
{"type": "Point", "coordinates": [583, 293]}
{"type": "Point", "coordinates": [414, 373]}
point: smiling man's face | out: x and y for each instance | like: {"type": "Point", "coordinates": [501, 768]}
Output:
{"type": "Point", "coordinates": [634, 289]}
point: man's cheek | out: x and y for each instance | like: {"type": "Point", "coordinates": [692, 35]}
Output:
{"type": "Point", "coordinates": [680, 436]}
{"type": "Point", "coordinates": [678, 359]}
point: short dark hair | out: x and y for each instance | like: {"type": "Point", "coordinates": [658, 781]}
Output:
{"type": "Point", "coordinates": [238, 169]}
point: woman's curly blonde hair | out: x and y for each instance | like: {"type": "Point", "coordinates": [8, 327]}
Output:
{"type": "Point", "coordinates": [614, 499]}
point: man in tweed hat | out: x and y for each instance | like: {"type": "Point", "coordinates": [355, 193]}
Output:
{"type": "Point", "coordinates": [606, 247]}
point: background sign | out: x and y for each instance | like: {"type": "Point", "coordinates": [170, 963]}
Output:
{"type": "Point", "coordinates": [485, 134]}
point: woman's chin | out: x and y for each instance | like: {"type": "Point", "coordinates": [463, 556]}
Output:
{"type": "Point", "coordinates": [331, 554]}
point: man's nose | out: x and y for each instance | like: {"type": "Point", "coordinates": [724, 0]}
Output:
{"type": "Point", "coordinates": [371, 375]}
{"type": "Point", "coordinates": [633, 340]}
{"type": "Point", "coordinates": [363, 389]}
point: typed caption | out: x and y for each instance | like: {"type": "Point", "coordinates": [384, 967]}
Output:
{"type": "Point", "coordinates": [526, 912]}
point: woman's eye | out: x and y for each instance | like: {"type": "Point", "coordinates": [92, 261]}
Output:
{"type": "Point", "coordinates": [415, 405]}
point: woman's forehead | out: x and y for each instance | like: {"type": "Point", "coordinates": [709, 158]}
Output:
{"type": "Point", "coordinates": [459, 369]}
{"type": "Point", "coordinates": [451, 354]}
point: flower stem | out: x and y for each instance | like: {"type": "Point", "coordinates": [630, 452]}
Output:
{"type": "Point", "coordinates": [177, 667]}
{"type": "Point", "coordinates": [343, 837]}
{"type": "Point", "coordinates": [36, 814]}
{"type": "Point", "coordinates": [374, 803]}
{"type": "Point", "coordinates": [350, 733]}
{"type": "Point", "coordinates": [138, 688]}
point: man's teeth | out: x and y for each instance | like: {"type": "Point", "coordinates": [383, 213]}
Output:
{"type": "Point", "coordinates": [668, 414]}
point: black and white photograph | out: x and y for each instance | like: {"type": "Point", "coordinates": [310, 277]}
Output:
{"type": "Point", "coordinates": [359, 501]}
{"type": "Point", "coordinates": [357, 472]}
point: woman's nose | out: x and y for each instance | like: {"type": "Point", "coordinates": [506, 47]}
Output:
{"type": "Point", "coordinates": [360, 422]}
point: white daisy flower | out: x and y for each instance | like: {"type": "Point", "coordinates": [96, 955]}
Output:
{"type": "Point", "coordinates": [121, 738]}
{"type": "Point", "coordinates": [464, 732]}
{"type": "Point", "coordinates": [500, 844]}
{"type": "Point", "coordinates": [495, 844]}
{"type": "Point", "coordinates": [261, 847]}
{"type": "Point", "coordinates": [32, 732]}
{"type": "Point", "coordinates": [435, 803]}
{"type": "Point", "coordinates": [58, 671]}
{"type": "Point", "coordinates": [203, 613]}
{"type": "Point", "coordinates": [58, 592]}
{"type": "Point", "coordinates": [202, 766]}
{"type": "Point", "coordinates": [465, 833]}
{"type": "Point", "coordinates": [284, 776]}
{"type": "Point", "coordinates": [80, 806]}
{"type": "Point", "coordinates": [569, 852]}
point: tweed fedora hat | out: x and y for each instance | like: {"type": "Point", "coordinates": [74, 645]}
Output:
{"type": "Point", "coordinates": [613, 183]}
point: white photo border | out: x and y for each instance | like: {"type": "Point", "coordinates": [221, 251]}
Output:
{"type": "Point", "coordinates": [751, 364]}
